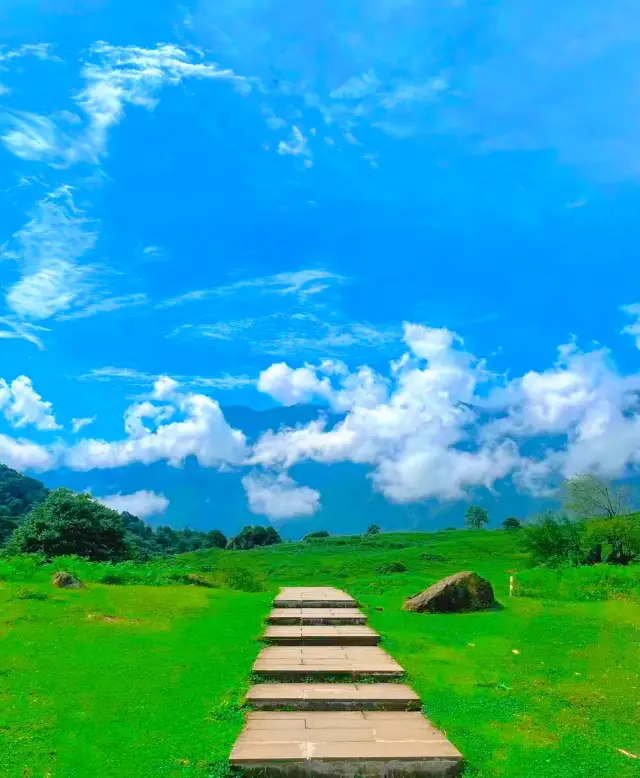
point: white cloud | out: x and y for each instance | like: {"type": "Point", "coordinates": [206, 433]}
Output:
{"type": "Point", "coordinates": [24, 455]}
{"type": "Point", "coordinates": [23, 406]}
{"type": "Point", "coordinates": [78, 424]}
{"type": "Point", "coordinates": [634, 328]}
{"type": "Point", "coordinates": [203, 433]}
{"type": "Point", "coordinates": [141, 504]}
{"type": "Point", "coordinates": [278, 497]}
{"type": "Point", "coordinates": [450, 425]}
{"type": "Point", "coordinates": [106, 305]}
{"type": "Point", "coordinates": [49, 248]}
{"type": "Point", "coordinates": [288, 386]}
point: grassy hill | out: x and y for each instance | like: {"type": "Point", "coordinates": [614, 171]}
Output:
{"type": "Point", "coordinates": [140, 681]}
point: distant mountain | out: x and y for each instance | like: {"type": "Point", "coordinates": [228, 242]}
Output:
{"type": "Point", "coordinates": [203, 498]}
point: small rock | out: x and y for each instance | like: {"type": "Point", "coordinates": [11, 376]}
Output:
{"type": "Point", "coordinates": [64, 580]}
{"type": "Point", "coordinates": [461, 592]}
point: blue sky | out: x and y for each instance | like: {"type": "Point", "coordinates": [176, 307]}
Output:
{"type": "Point", "coordinates": [205, 191]}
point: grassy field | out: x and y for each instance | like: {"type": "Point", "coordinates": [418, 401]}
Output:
{"type": "Point", "coordinates": [142, 681]}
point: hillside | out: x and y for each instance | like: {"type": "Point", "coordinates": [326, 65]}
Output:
{"type": "Point", "coordinates": [539, 688]}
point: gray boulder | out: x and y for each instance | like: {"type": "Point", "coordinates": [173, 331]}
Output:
{"type": "Point", "coordinates": [458, 593]}
{"type": "Point", "coordinates": [64, 580]}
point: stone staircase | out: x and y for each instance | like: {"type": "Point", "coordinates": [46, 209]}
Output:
{"type": "Point", "coordinates": [300, 726]}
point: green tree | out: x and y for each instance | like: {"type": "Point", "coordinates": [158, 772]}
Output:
{"type": "Point", "coordinates": [373, 529]}
{"type": "Point", "coordinates": [588, 497]}
{"type": "Point", "coordinates": [250, 537]}
{"type": "Point", "coordinates": [214, 539]}
{"type": "Point", "coordinates": [511, 522]}
{"type": "Point", "coordinates": [68, 523]}
{"type": "Point", "coordinates": [619, 537]}
{"type": "Point", "coordinates": [476, 517]}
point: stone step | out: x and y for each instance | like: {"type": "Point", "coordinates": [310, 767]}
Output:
{"type": "Point", "coordinates": [343, 744]}
{"type": "Point", "coordinates": [333, 696]}
{"type": "Point", "coordinates": [328, 635]}
{"type": "Point", "coordinates": [313, 597]}
{"type": "Point", "coordinates": [316, 616]}
{"type": "Point", "coordinates": [285, 663]}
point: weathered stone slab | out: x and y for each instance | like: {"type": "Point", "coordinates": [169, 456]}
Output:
{"type": "Point", "coordinates": [333, 696]}
{"type": "Point", "coordinates": [313, 616]}
{"type": "Point", "coordinates": [348, 635]}
{"type": "Point", "coordinates": [291, 662]}
{"type": "Point", "coordinates": [313, 597]}
{"type": "Point", "coordinates": [344, 744]}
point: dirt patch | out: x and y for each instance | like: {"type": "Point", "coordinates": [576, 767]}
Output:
{"type": "Point", "coordinates": [111, 619]}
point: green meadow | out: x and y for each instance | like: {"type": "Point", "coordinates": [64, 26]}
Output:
{"type": "Point", "coordinates": [134, 680]}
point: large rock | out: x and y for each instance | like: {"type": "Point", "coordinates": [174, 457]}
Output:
{"type": "Point", "coordinates": [457, 593]}
{"type": "Point", "coordinates": [64, 580]}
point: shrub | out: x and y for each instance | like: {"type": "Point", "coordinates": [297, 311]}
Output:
{"type": "Point", "coordinates": [373, 529]}
{"type": "Point", "coordinates": [388, 568]}
{"type": "Point", "coordinates": [322, 533]}
{"type": "Point", "coordinates": [243, 580]}
{"type": "Point", "coordinates": [26, 593]}
{"type": "Point", "coordinates": [428, 557]}
{"type": "Point", "coordinates": [555, 540]}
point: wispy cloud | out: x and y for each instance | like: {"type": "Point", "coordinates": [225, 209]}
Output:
{"type": "Point", "coordinates": [297, 333]}
{"type": "Point", "coordinates": [140, 378]}
{"type": "Point", "coordinates": [22, 330]}
{"type": "Point", "coordinates": [114, 76]}
{"type": "Point", "coordinates": [106, 305]}
{"type": "Point", "coordinates": [78, 424]}
{"type": "Point", "coordinates": [49, 249]}
{"type": "Point", "coordinates": [300, 283]}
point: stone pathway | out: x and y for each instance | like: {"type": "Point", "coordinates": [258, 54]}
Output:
{"type": "Point", "coordinates": [349, 730]}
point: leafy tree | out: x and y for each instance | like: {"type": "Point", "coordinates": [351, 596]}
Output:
{"type": "Point", "coordinates": [68, 523]}
{"type": "Point", "coordinates": [373, 529]}
{"type": "Point", "coordinates": [476, 517]}
{"type": "Point", "coordinates": [555, 540]}
{"type": "Point", "coordinates": [590, 497]}
{"type": "Point", "coordinates": [18, 494]}
{"type": "Point", "coordinates": [511, 522]}
{"type": "Point", "coordinates": [250, 537]}
{"type": "Point", "coordinates": [619, 536]}
{"type": "Point", "coordinates": [214, 539]}
{"type": "Point", "coordinates": [321, 533]}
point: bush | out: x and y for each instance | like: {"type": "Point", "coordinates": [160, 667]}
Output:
{"type": "Point", "coordinates": [67, 523]}
{"type": "Point", "coordinates": [243, 580]}
{"type": "Point", "coordinates": [428, 557]}
{"type": "Point", "coordinates": [26, 593]}
{"type": "Point", "coordinates": [322, 533]}
{"type": "Point", "coordinates": [373, 529]}
{"type": "Point", "coordinates": [388, 568]}
{"type": "Point", "coordinates": [555, 540]}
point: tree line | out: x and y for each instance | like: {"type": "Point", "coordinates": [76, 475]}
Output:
{"type": "Point", "coordinates": [34, 519]}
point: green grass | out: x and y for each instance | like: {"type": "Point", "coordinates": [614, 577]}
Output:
{"type": "Point", "coordinates": [154, 688]}
{"type": "Point", "coordinates": [123, 682]}
{"type": "Point", "coordinates": [600, 582]}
